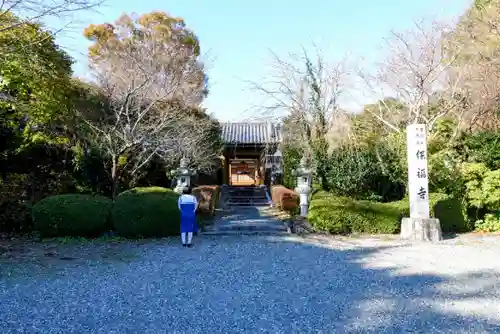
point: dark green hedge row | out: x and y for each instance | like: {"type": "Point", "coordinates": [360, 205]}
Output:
{"type": "Point", "coordinates": [341, 215]}
{"type": "Point", "coordinates": [72, 215]}
{"type": "Point", "coordinates": [139, 212]}
{"type": "Point", "coordinates": [146, 212]}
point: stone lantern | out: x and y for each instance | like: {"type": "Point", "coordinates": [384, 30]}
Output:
{"type": "Point", "coordinates": [274, 162]}
{"type": "Point", "coordinates": [303, 174]}
{"type": "Point", "coordinates": [183, 175]}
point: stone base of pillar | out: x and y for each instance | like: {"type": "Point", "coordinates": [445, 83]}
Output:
{"type": "Point", "coordinates": [421, 229]}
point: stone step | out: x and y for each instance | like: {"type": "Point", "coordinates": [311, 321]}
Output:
{"type": "Point", "coordinates": [245, 197]}
{"type": "Point", "coordinates": [262, 226]}
{"type": "Point", "coordinates": [257, 233]}
{"type": "Point", "coordinates": [263, 204]}
{"type": "Point", "coordinates": [248, 205]}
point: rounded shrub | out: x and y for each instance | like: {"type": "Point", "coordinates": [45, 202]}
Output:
{"type": "Point", "coordinates": [72, 215]}
{"type": "Point", "coordinates": [146, 212]}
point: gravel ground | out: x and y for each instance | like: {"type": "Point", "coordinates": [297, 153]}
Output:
{"type": "Point", "coordinates": [242, 284]}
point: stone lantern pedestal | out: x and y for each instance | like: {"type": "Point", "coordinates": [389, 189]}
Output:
{"type": "Point", "coordinates": [303, 174]}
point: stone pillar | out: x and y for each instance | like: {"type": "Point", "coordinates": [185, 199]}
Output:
{"type": "Point", "coordinates": [303, 174]}
{"type": "Point", "coordinates": [183, 176]}
{"type": "Point", "coordinates": [419, 226]}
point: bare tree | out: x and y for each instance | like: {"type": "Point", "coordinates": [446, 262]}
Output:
{"type": "Point", "coordinates": [308, 91]}
{"type": "Point", "coordinates": [149, 87]}
{"type": "Point", "coordinates": [476, 38]}
{"type": "Point", "coordinates": [34, 11]}
{"type": "Point", "coordinates": [195, 138]}
{"type": "Point", "coordinates": [416, 72]}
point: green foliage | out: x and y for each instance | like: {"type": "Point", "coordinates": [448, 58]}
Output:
{"type": "Point", "coordinates": [146, 212]}
{"type": "Point", "coordinates": [490, 223]}
{"type": "Point", "coordinates": [444, 160]}
{"type": "Point", "coordinates": [35, 72]}
{"type": "Point", "coordinates": [480, 4]}
{"type": "Point", "coordinates": [444, 173]}
{"type": "Point", "coordinates": [481, 147]}
{"type": "Point", "coordinates": [15, 209]}
{"type": "Point", "coordinates": [343, 215]}
{"type": "Point", "coordinates": [491, 187]}
{"type": "Point", "coordinates": [89, 171]}
{"type": "Point", "coordinates": [291, 160]}
{"type": "Point", "coordinates": [366, 173]}
{"type": "Point", "coordinates": [72, 215]}
{"type": "Point", "coordinates": [482, 186]}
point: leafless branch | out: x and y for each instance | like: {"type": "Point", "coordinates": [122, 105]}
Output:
{"type": "Point", "coordinates": [150, 88]}
{"type": "Point", "coordinates": [416, 72]}
{"type": "Point", "coordinates": [307, 91]}
{"type": "Point", "coordinates": [476, 38]}
{"type": "Point", "coordinates": [35, 11]}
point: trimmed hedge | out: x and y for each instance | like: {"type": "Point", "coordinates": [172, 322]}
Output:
{"type": "Point", "coordinates": [72, 215]}
{"type": "Point", "coordinates": [341, 215]}
{"type": "Point", "coordinates": [285, 199]}
{"type": "Point", "coordinates": [146, 212]}
{"type": "Point", "coordinates": [208, 199]}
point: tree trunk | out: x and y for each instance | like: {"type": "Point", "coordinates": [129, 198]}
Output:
{"type": "Point", "coordinates": [114, 177]}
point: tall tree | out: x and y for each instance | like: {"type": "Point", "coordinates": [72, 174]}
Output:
{"type": "Point", "coordinates": [476, 38]}
{"type": "Point", "coordinates": [417, 71]}
{"type": "Point", "coordinates": [308, 91]}
{"type": "Point", "coordinates": [148, 70]}
{"type": "Point", "coordinates": [35, 76]}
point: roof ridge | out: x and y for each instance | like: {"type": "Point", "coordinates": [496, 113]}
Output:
{"type": "Point", "coordinates": [250, 132]}
{"type": "Point", "coordinates": [245, 122]}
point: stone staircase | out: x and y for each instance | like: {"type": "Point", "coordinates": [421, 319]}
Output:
{"type": "Point", "coordinates": [246, 210]}
{"type": "Point", "coordinates": [236, 196]}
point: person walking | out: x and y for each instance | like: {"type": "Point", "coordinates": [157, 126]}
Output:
{"type": "Point", "coordinates": [187, 204]}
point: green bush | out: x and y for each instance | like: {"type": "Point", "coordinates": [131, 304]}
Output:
{"type": "Point", "coordinates": [490, 223]}
{"type": "Point", "coordinates": [146, 212]}
{"type": "Point", "coordinates": [369, 173]}
{"type": "Point", "coordinates": [342, 215]}
{"type": "Point", "coordinates": [72, 215]}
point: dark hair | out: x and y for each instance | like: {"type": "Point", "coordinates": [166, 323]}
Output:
{"type": "Point", "coordinates": [186, 190]}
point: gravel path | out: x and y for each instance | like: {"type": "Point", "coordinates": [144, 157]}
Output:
{"type": "Point", "coordinates": [242, 284]}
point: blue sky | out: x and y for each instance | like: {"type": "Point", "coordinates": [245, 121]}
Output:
{"type": "Point", "coordinates": [238, 35]}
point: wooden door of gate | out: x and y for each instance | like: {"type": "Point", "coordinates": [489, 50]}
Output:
{"type": "Point", "coordinates": [243, 172]}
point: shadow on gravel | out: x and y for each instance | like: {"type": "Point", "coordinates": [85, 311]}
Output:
{"type": "Point", "coordinates": [249, 285]}
{"type": "Point", "coordinates": [342, 295]}
{"type": "Point", "coordinates": [33, 257]}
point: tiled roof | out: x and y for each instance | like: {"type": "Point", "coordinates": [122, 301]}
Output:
{"type": "Point", "coordinates": [250, 133]}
